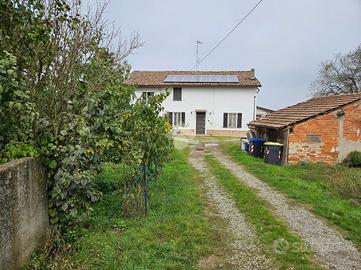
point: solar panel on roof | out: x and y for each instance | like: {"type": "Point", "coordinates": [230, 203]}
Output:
{"type": "Point", "coordinates": [201, 79]}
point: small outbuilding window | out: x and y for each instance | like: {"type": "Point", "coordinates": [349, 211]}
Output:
{"type": "Point", "coordinates": [177, 94]}
{"type": "Point", "coordinates": [314, 138]}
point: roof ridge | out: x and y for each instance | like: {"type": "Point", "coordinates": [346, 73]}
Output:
{"type": "Point", "coordinates": [151, 78]}
{"type": "Point", "coordinates": [342, 95]}
{"type": "Point", "coordinates": [191, 71]}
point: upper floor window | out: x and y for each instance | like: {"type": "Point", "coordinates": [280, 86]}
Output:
{"type": "Point", "coordinates": [232, 120]}
{"type": "Point", "coordinates": [177, 94]}
{"type": "Point", "coordinates": [147, 95]}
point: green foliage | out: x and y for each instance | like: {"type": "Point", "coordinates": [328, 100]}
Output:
{"type": "Point", "coordinates": [16, 112]}
{"type": "Point", "coordinates": [63, 98]}
{"type": "Point", "coordinates": [354, 159]}
{"type": "Point", "coordinates": [25, 33]}
{"type": "Point", "coordinates": [113, 177]}
{"type": "Point", "coordinates": [175, 234]}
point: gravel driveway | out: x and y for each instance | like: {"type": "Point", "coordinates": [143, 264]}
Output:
{"type": "Point", "coordinates": [245, 247]}
{"type": "Point", "coordinates": [326, 242]}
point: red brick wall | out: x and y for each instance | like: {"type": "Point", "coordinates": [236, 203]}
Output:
{"type": "Point", "coordinates": [300, 149]}
{"type": "Point", "coordinates": [326, 126]}
{"type": "Point", "coordinates": [352, 122]}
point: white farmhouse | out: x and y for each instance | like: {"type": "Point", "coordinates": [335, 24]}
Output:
{"type": "Point", "coordinates": [216, 103]}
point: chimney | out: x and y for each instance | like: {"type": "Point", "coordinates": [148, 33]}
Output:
{"type": "Point", "coordinates": [253, 76]}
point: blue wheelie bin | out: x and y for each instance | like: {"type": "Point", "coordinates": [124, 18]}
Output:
{"type": "Point", "coordinates": [256, 147]}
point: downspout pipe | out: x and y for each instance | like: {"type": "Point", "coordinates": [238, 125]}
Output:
{"type": "Point", "coordinates": [254, 108]}
{"type": "Point", "coordinates": [286, 146]}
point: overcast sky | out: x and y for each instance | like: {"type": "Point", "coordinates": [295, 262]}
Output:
{"type": "Point", "coordinates": [284, 40]}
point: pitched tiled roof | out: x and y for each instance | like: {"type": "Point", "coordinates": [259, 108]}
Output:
{"type": "Point", "coordinates": [156, 78]}
{"type": "Point", "coordinates": [305, 110]}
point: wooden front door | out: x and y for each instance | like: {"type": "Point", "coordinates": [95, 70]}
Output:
{"type": "Point", "coordinates": [200, 123]}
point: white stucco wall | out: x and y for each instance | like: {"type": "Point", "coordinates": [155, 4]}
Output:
{"type": "Point", "coordinates": [215, 101]}
{"type": "Point", "coordinates": [262, 112]}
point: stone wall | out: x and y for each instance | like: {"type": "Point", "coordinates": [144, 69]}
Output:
{"type": "Point", "coordinates": [23, 211]}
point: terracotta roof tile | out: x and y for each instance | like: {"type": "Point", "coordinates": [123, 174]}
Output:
{"type": "Point", "coordinates": [156, 78]}
{"type": "Point", "coordinates": [305, 110]}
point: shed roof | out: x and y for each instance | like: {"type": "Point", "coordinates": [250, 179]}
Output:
{"type": "Point", "coordinates": [303, 111]}
{"type": "Point", "coordinates": [156, 79]}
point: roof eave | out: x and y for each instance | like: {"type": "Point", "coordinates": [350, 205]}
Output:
{"type": "Point", "coordinates": [290, 125]}
{"type": "Point", "coordinates": [193, 85]}
{"type": "Point", "coordinates": [266, 126]}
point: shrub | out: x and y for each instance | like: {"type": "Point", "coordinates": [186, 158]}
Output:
{"type": "Point", "coordinates": [113, 177]}
{"type": "Point", "coordinates": [63, 98]}
{"type": "Point", "coordinates": [353, 159]}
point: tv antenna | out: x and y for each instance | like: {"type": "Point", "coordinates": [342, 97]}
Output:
{"type": "Point", "coordinates": [197, 53]}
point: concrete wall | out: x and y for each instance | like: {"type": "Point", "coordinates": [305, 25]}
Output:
{"type": "Point", "coordinates": [215, 102]}
{"type": "Point", "coordinates": [340, 133]}
{"type": "Point", "coordinates": [23, 211]}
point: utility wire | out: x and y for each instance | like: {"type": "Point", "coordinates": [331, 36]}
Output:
{"type": "Point", "coordinates": [229, 33]}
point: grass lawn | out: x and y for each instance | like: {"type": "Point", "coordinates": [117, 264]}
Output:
{"type": "Point", "coordinates": [176, 234]}
{"type": "Point", "coordinates": [268, 228]}
{"type": "Point", "coordinates": [331, 192]}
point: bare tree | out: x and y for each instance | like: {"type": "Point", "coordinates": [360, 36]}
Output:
{"type": "Point", "coordinates": [341, 75]}
{"type": "Point", "coordinates": [76, 39]}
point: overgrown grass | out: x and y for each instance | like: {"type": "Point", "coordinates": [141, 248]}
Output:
{"type": "Point", "coordinates": [268, 228]}
{"type": "Point", "coordinates": [331, 192]}
{"type": "Point", "coordinates": [174, 235]}
{"type": "Point", "coordinates": [113, 177]}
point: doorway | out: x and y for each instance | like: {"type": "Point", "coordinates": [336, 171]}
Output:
{"type": "Point", "coordinates": [201, 123]}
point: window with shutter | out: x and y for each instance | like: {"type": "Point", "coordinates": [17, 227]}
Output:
{"type": "Point", "coordinates": [170, 118]}
{"type": "Point", "coordinates": [239, 120]}
{"type": "Point", "coordinates": [179, 119]}
{"type": "Point", "coordinates": [232, 120]}
{"type": "Point", "coordinates": [225, 118]}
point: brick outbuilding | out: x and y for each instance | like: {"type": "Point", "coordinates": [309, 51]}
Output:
{"type": "Point", "coordinates": [322, 129]}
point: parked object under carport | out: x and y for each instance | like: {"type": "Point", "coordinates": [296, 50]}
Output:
{"type": "Point", "coordinates": [272, 152]}
{"type": "Point", "coordinates": [256, 147]}
{"type": "Point", "coordinates": [244, 145]}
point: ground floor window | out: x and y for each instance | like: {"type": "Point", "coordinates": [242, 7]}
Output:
{"type": "Point", "coordinates": [232, 120]}
{"type": "Point", "coordinates": [177, 119]}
